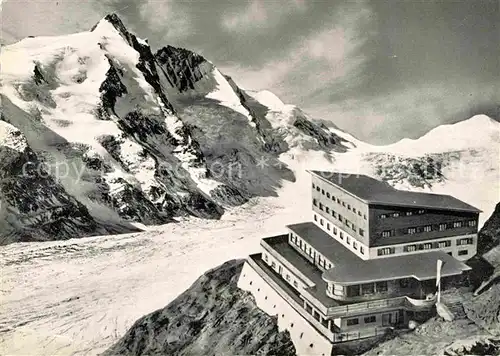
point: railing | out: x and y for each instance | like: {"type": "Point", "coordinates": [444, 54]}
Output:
{"type": "Point", "coordinates": [358, 308]}
{"type": "Point", "coordinates": [346, 310]}
{"type": "Point", "coordinates": [360, 334]}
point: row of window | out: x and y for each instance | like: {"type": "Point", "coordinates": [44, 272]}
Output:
{"type": "Point", "coordinates": [366, 289]}
{"type": "Point", "coordinates": [318, 317]}
{"type": "Point", "coordinates": [439, 244]}
{"type": "Point", "coordinates": [310, 251]}
{"type": "Point", "coordinates": [425, 246]}
{"type": "Point", "coordinates": [341, 234]}
{"type": "Point", "coordinates": [341, 202]}
{"type": "Point", "coordinates": [346, 222]}
{"type": "Point", "coordinates": [367, 319]}
{"type": "Point", "coordinates": [287, 277]}
{"type": "Point", "coordinates": [428, 228]}
{"type": "Point", "coordinates": [397, 214]}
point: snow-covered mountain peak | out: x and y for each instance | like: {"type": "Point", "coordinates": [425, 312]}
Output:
{"type": "Point", "coordinates": [269, 99]}
{"type": "Point", "coordinates": [114, 21]}
{"type": "Point", "coordinates": [478, 132]}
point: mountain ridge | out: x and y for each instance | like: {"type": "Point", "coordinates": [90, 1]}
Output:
{"type": "Point", "coordinates": [140, 128]}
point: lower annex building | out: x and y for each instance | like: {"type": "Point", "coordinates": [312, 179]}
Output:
{"type": "Point", "coordinates": [371, 258]}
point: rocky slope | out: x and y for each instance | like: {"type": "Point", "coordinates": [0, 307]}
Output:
{"type": "Point", "coordinates": [489, 236]}
{"type": "Point", "coordinates": [33, 206]}
{"type": "Point", "coordinates": [147, 137]}
{"type": "Point", "coordinates": [213, 317]}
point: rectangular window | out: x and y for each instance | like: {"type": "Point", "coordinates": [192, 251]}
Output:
{"type": "Point", "coordinates": [323, 191]}
{"type": "Point", "coordinates": [265, 257]}
{"type": "Point", "coordinates": [443, 244]}
{"type": "Point", "coordinates": [338, 201]}
{"type": "Point", "coordinates": [404, 283]}
{"type": "Point", "coordinates": [362, 250]}
{"type": "Point", "coordinates": [334, 214]}
{"type": "Point", "coordinates": [354, 210]}
{"type": "Point", "coordinates": [359, 213]}
{"type": "Point", "coordinates": [348, 206]}
{"type": "Point", "coordinates": [295, 284]}
{"type": "Point", "coordinates": [421, 211]}
{"type": "Point", "coordinates": [368, 288]}
{"type": "Point", "coordinates": [317, 189]}
{"type": "Point", "coordinates": [315, 202]}
{"type": "Point", "coordinates": [354, 245]}
{"type": "Point", "coordinates": [472, 223]}
{"type": "Point", "coordinates": [340, 218]}
{"type": "Point", "coordinates": [324, 322]}
{"type": "Point", "coordinates": [383, 216]}
{"type": "Point", "coordinates": [348, 240]}
{"type": "Point", "coordinates": [343, 204]}
{"type": "Point", "coordinates": [328, 195]}
{"type": "Point", "coordinates": [309, 309]}
{"type": "Point", "coordinates": [327, 209]}
{"type": "Point", "coordinates": [333, 198]}
{"type": "Point", "coordinates": [341, 235]}
{"type": "Point", "coordinates": [395, 215]}
{"type": "Point", "coordinates": [465, 241]}
{"type": "Point", "coordinates": [361, 232]}
{"type": "Point", "coordinates": [315, 217]}
{"type": "Point", "coordinates": [427, 246]}
{"type": "Point", "coordinates": [409, 213]}
{"type": "Point", "coordinates": [381, 287]}
{"type": "Point", "coordinates": [386, 233]}
{"type": "Point", "coordinates": [364, 216]}
{"type": "Point", "coordinates": [287, 278]}
{"type": "Point", "coordinates": [370, 319]}
{"type": "Point", "coordinates": [463, 252]}
{"type": "Point", "coordinates": [321, 222]}
{"type": "Point", "coordinates": [273, 264]}
{"type": "Point", "coordinates": [334, 230]}
{"type": "Point", "coordinates": [412, 230]}
{"type": "Point", "coordinates": [457, 224]}
{"type": "Point", "coordinates": [352, 291]}
{"type": "Point", "coordinates": [410, 248]}
{"type": "Point", "coordinates": [328, 226]}
{"type": "Point", "coordinates": [386, 251]}
{"type": "Point", "coordinates": [442, 227]}
{"type": "Point", "coordinates": [314, 186]}
{"type": "Point", "coordinates": [320, 206]}
{"type": "Point", "coordinates": [347, 223]}
{"type": "Point", "coordinates": [428, 228]}
{"type": "Point", "coordinates": [351, 322]}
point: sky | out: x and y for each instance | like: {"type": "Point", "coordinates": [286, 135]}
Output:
{"type": "Point", "coordinates": [379, 69]}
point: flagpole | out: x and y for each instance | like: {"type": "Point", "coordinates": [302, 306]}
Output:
{"type": "Point", "coordinates": [438, 279]}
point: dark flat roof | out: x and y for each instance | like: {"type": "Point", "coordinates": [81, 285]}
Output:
{"type": "Point", "coordinates": [350, 269]}
{"type": "Point", "coordinates": [374, 191]}
{"type": "Point", "coordinates": [280, 245]}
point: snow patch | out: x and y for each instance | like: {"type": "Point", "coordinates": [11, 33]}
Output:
{"type": "Point", "coordinates": [225, 94]}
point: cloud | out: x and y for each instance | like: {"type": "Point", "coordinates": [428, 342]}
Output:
{"type": "Point", "coordinates": [164, 16]}
{"type": "Point", "coordinates": [330, 56]}
{"type": "Point", "coordinates": [260, 15]}
{"type": "Point", "coordinates": [410, 112]}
